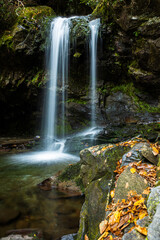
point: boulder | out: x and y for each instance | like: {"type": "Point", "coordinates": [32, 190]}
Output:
{"type": "Point", "coordinates": [140, 152]}
{"type": "Point", "coordinates": [8, 214]}
{"type": "Point", "coordinates": [129, 181]}
{"type": "Point", "coordinates": [153, 201]}
{"type": "Point", "coordinates": [98, 160]}
{"type": "Point", "coordinates": [153, 229]}
{"type": "Point", "coordinates": [93, 210]}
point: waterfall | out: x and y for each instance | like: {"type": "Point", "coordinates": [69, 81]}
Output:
{"type": "Point", "coordinates": [58, 79]}
{"type": "Point", "coordinates": [94, 27]}
{"type": "Point", "coordinates": [58, 69]}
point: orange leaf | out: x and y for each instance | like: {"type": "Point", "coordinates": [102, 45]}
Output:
{"type": "Point", "coordinates": [86, 237]}
{"type": "Point", "coordinates": [103, 226]}
{"type": "Point", "coordinates": [132, 170]}
{"type": "Point", "coordinates": [155, 151]}
{"type": "Point", "coordinates": [146, 191]}
{"type": "Point", "coordinates": [142, 214]}
{"type": "Point", "coordinates": [142, 230]}
{"type": "Point", "coordinates": [112, 193]}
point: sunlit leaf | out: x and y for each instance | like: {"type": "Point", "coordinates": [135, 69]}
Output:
{"type": "Point", "coordinates": [137, 203]}
{"type": "Point", "coordinates": [86, 237]}
{"type": "Point", "coordinates": [117, 216]}
{"type": "Point", "coordinates": [155, 151]}
{"type": "Point", "coordinates": [112, 193]}
{"type": "Point", "coordinates": [142, 214]}
{"type": "Point", "coordinates": [132, 170]}
{"type": "Point", "coordinates": [103, 226]}
{"type": "Point", "coordinates": [142, 230]}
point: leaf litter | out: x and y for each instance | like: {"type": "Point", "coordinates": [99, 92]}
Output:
{"type": "Point", "coordinates": [126, 213]}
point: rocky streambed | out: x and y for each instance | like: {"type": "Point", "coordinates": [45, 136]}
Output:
{"type": "Point", "coordinates": [94, 176]}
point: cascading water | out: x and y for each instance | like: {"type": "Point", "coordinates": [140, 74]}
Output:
{"type": "Point", "coordinates": [94, 27]}
{"type": "Point", "coordinates": [58, 79]}
{"type": "Point", "coordinates": [58, 69]}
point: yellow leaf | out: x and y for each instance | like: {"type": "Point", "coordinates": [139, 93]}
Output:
{"type": "Point", "coordinates": [110, 237]}
{"type": "Point", "coordinates": [139, 202]}
{"type": "Point", "coordinates": [105, 234]}
{"type": "Point", "coordinates": [132, 170]}
{"type": "Point", "coordinates": [117, 216]}
{"type": "Point", "coordinates": [142, 230]}
{"type": "Point", "coordinates": [112, 193]}
{"type": "Point", "coordinates": [142, 214]}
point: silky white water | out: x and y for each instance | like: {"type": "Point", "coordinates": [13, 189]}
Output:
{"type": "Point", "coordinates": [94, 27]}
{"type": "Point", "coordinates": [58, 69]}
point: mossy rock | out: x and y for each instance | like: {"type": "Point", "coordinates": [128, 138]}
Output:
{"type": "Point", "coordinates": [93, 210]}
{"type": "Point", "coordinates": [97, 161]}
{"type": "Point", "coordinates": [35, 13]}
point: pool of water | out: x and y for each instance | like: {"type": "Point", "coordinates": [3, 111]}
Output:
{"type": "Point", "coordinates": [24, 205]}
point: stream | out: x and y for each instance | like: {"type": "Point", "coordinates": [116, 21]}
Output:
{"type": "Point", "coordinates": [24, 205]}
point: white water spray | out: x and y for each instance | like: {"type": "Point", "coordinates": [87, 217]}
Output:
{"type": "Point", "coordinates": [58, 68]}
{"type": "Point", "coordinates": [94, 27]}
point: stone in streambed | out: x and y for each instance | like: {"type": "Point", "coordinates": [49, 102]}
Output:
{"type": "Point", "coordinates": [8, 214]}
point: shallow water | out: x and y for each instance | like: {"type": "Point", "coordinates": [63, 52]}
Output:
{"type": "Point", "coordinates": [24, 205]}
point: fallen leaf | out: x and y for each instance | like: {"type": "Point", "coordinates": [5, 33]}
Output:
{"type": "Point", "coordinates": [112, 193]}
{"type": "Point", "coordinates": [139, 202]}
{"type": "Point", "coordinates": [103, 226]}
{"type": "Point", "coordinates": [132, 170]}
{"type": "Point", "coordinates": [127, 184]}
{"type": "Point", "coordinates": [155, 151]}
{"type": "Point", "coordinates": [105, 234]}
{"type": "Point", "coordinates": [142, 230]}
{"type": "Point", "coordinates": [128, 154]}
{"type": "Point", "coordinates": [146, 191]}
{"type": "Point", "coordinates": [142, 214]}
{"type": "Point", "coordinates": [117, 216]}
{"type": "Point", "coordinates": [86, 237]}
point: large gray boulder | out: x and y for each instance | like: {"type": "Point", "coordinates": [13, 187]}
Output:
{"type": "Point", "coordinates": [128, 181]}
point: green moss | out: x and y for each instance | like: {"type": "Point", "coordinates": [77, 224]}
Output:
{"type": "Point", "coordinates": [77, 55]}
{"type": "Point", "coordinates": [131, 91]}
{"type": "Point", "coordinates": [103, 10]}
{"type": "Point", "coordinates": [36, 78]}
{"type": "Point", "coordinates": [7, 40]}
{"type": "Point", "coordinates": [34, 13]}
{"type": "Point", "coordinates": [70, 172]}
{"type": "Point", "coordinates": [79, 101]}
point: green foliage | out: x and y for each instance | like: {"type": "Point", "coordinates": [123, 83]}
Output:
{"type": "Point", "coordinates": [6, 40]}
